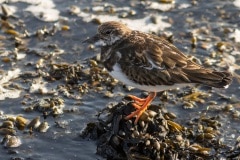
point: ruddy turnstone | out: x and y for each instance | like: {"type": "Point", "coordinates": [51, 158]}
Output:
{"type": "Point", "coordinates": [149, 63]}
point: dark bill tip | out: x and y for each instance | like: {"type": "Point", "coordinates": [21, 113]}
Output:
{"type": "Point", "coordinates": [86, 41]}
{"type": "Point", "coordinates": [92, 39]}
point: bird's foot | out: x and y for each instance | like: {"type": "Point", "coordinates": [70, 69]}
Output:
{"type": "Point", "coordinates": [138, 102]}
{"type": "Point", "coordinates": [141, 105]}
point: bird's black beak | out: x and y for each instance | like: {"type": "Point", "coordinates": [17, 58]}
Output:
{"type": "Point", "coordinates": [92, 39]}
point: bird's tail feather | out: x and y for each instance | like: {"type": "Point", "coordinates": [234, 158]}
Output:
{"type": "Point", "coordinates": [211, 78]}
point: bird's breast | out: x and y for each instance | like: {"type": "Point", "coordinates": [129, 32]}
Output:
{"type": "Point", "coordinates": [105, 53]}
{"type": "Point", "coordinates": [111, 59]}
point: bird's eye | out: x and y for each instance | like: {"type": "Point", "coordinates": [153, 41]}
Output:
{"type": "Point", "coordinates": [108, 32]}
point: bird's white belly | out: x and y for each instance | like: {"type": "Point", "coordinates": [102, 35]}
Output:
{"type": "Point", "coordinates": [119, 75]}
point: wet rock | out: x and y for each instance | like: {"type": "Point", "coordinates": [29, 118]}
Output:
{"type": "Point", "coordinates": [43, 127]}
{"type": "Point", "coordinates": [11, 141]}
{"type": "Point", "coordinates": [21, 122]}
{"type": "Point", "coordinates": [152, 139]}
{"type": "Point", "coordinates": [34, 123]}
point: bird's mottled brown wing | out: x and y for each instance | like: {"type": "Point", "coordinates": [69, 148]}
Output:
{"type": "Point", "coordinates": [151, 60]}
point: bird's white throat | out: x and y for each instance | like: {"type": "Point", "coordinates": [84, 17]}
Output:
{"type": "Point", "coordinates": [112, 40]}
{"type": "Point", "coordinates": [100, 43]}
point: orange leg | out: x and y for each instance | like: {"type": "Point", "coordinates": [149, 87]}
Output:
{"type": "Point", "coordinates": [141, 105]}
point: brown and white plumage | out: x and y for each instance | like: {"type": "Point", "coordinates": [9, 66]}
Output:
{"type": "Point", "coordinates": [149, 62]}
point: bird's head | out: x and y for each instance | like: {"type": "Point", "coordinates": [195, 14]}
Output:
{"type": "Point", "coordinates": [109, 33]}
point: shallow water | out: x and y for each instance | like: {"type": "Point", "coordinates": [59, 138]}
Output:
{"type": "Point", "coordinates": [64, 142]}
